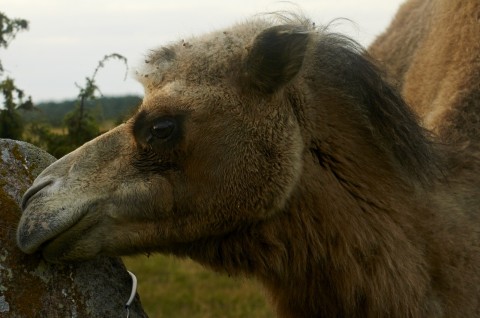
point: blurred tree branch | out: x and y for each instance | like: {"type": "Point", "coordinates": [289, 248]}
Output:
{"type": "Point", "coordinates": [11, 124]}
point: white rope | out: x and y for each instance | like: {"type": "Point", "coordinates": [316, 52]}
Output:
{"type": "Point", "coordinates": [132, 293]}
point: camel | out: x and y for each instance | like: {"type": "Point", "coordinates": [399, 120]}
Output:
{"type": "Point", "coordinates": [432, 49]}
{"type": "Point", "coordinates": [275, 150]}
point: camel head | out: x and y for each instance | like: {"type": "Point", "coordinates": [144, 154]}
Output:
{"type": "Point", "coordinates": [213, 147]}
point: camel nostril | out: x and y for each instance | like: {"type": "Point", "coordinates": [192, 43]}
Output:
{"type": "Point", "coordinates": [34, 190]}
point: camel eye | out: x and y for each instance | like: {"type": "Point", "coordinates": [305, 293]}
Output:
{"type": "Point", "coordinates": [163, 128]}
{"type": "Point", "coordinates": [158, 132]}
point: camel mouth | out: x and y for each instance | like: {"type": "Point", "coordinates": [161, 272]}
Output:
{"type": "Point", "coordinates": [45, 247]}
{"type": "Point", "coordinates": [53, 251]}
{"type": "Point", "coordinates": [44, 220]}
{"type": "Point", "coordinates": [56, 243]}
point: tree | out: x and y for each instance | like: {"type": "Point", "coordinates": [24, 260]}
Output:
{"type": "Point", "coordinates": [80, 123]}
{"type": "Point", "coordinates": [11, 125]}
{"type": "Point", "coordinates": [9, 29]}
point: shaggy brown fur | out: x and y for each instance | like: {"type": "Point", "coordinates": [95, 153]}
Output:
{"type": "Point", "coordinates": [433, 48]}
{"type": "Point", "coordinates": [276, 152]}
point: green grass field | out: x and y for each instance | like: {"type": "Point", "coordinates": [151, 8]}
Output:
{"type": "Point", "coordinates": [172, 287]}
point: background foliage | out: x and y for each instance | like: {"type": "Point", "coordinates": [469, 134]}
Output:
{"type": "Point", "coordinates": [11, 124]}
{"type": "Point", "coordinates": [61, 128]}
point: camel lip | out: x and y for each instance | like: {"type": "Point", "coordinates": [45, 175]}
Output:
{"type": "Point", "coordinates": [57, 250]}
{"type": "Point", "coordinates": [33, 241]}
{"type": "Point", "coordinates": [32, 191]}
{"type": "Point", "coordinates": [47, 252]}
{"type": "Point", "coordinates": [35, 233]}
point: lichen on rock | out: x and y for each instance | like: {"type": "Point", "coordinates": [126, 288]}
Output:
{"type": "Point", "coordinates": [30, 287]}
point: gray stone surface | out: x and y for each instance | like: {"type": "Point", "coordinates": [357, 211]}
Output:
{"type": "Point", "coordinates": [30, 287]}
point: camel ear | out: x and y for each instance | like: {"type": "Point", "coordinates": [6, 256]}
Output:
{"type": "Point", "coordinates": [275, 57]}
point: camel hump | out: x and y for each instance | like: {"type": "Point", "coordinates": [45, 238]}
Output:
{"type": "Point", "coordinates": [432, 49]}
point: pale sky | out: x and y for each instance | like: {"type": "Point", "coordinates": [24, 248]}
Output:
{"type": "Point", "coordinates": [67, 38]}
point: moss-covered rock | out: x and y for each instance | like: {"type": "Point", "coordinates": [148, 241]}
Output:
{"type": "Point", "coordinates": [30, 287]}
